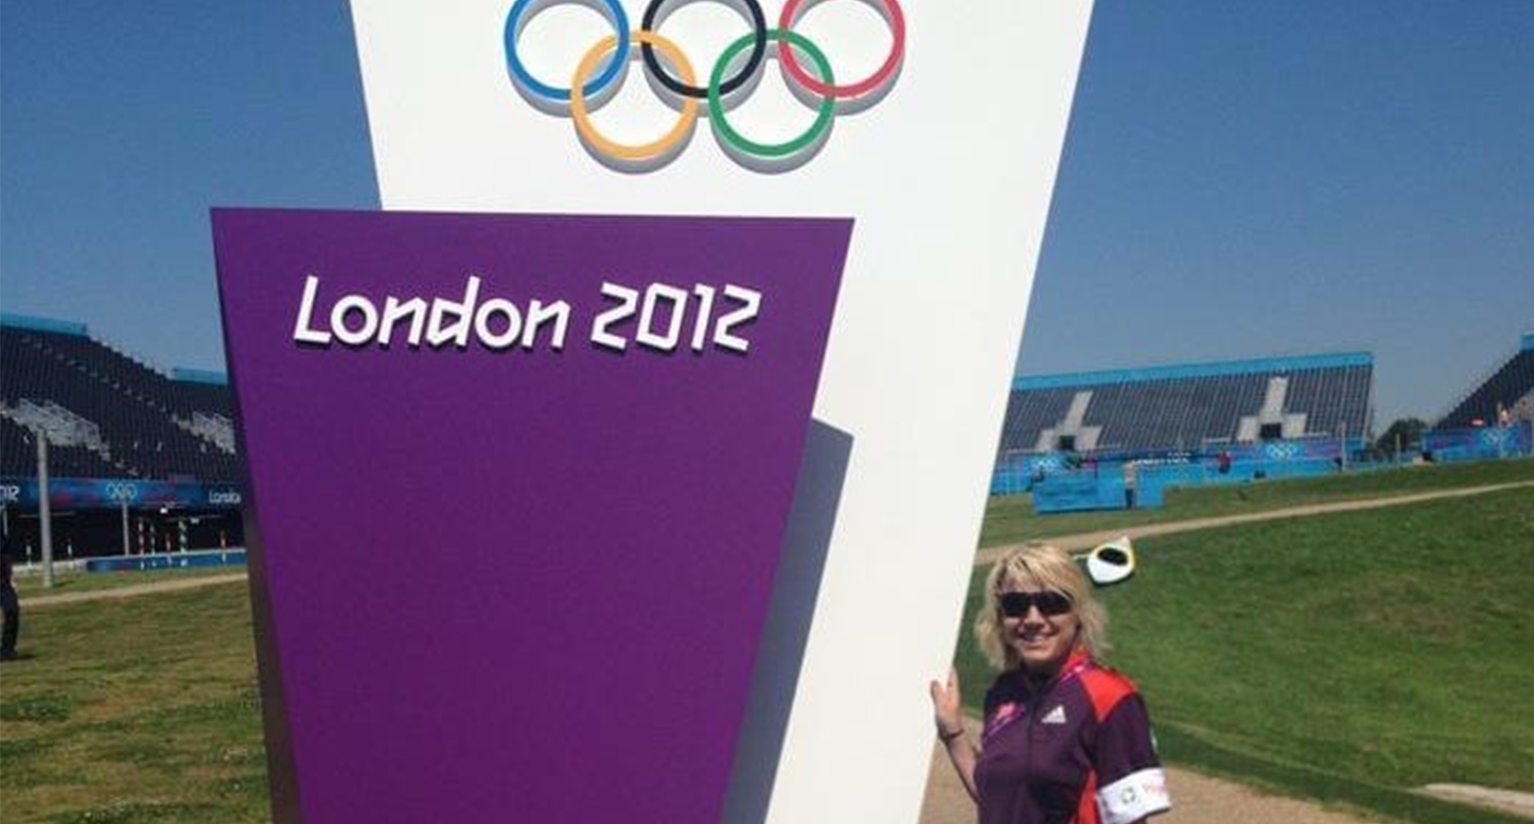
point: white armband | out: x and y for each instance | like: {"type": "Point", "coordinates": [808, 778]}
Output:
{"type": "Point", "coordinates": [1134, 797]}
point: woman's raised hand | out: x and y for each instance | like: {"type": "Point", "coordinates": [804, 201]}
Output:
{"type": "Point", "coordinates": [946, 706]}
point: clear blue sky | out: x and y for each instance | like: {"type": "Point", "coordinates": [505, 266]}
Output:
{"type": "Point", "coordinates": [1241, 179]}
{"type": "Point", "coordinates": [122, 123]}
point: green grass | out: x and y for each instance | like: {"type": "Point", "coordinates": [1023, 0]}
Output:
{"type": "Point", "coordinates": [1011, 520]}
{"type": "Point", "coordinates": [1296, 655]}
{"type": "Point", "coordinates": [1345, 657]}
{"type": "Point", "coordinates": [30, 586]}
{"type": "Point", "coordinates": [135, 710]}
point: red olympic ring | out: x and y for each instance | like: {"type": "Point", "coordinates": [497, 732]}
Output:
{"type": "Point", "coordinates": [790, 63]}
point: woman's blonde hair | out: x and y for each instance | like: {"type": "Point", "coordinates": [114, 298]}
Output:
{"type": "Point", "coordinates": [1038, 566]}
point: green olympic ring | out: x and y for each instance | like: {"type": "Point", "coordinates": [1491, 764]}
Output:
{"type": "Point", "coordinates": [716, 116]}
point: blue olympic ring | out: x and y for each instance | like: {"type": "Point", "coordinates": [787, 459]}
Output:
{"type": "Point", "coordinates": [619, 61]}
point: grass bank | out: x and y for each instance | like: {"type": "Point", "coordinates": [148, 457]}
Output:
{"type": "Point", "coordinates": [1346, 658]}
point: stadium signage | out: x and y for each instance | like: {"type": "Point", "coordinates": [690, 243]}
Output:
{"type": "Point", "coordinates": [543, 475]}
{"type": "Point", "coordinates": [112, 493]}
{"type": "Point", "coordinates": [224, 497]}
{"type": "Point", "coordinates": [949, 203]}
{"type": "Point", "coordinates": [122, 491]}
{"type": "Point", "coordinates": [660, 317]}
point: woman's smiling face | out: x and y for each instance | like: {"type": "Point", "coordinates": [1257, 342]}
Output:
{"type": "Point", "coordinates": [1041, 625]}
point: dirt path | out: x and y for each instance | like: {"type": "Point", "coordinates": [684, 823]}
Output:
{"type": "Point", "coordinates": [130, 590]}
{"type": "Point", "coordinates": [1087, 540]}
{"type": "Point", "coordinates": [1196, 799]}
{"type": "Point", "coordinates": [1510, 802]}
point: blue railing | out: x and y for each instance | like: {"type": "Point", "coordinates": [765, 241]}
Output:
{"type": "Point", "coordinates": [42, 324]}
{"type": "Point", "coordinates": [206, 376]}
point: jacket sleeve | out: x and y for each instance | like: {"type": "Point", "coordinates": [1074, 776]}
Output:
{"type": "Point", "coordinates": [1130, 782]}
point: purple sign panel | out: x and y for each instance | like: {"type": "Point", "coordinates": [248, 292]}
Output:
{"type": "Point", "coordinates": [519, 484]}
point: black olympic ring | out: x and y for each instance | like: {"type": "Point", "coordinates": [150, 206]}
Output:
{"type": "Point", "coordinates": [659, 72]}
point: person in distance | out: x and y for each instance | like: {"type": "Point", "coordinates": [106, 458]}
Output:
{"type": "Point", "coordinates": [10, 605]}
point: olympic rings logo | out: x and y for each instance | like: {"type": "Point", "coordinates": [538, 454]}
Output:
{"type": "Point", "coordinates": [122, 491]}
{"type": "Point", "coordinates": [732, 79]}
{"type": "Point", "coordinates": [1283, 451]}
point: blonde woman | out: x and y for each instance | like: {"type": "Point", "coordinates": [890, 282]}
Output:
{"type": "Point", "coordinates": [1066, 740]}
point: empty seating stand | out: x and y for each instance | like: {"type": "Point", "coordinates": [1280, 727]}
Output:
{"type": "Point", "coordinates": [1070, 439]}
{"type": "Point", "coordinates": [1507, 388]}
{"type": "Point", "coordinates": [145, 418]}
{"type": "Point", "coordinates": [1188, 407]}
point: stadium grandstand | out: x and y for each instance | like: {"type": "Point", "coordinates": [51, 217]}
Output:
{"type": "Point", "coordinates": [1189, 407]}
{"type": "Point", "coordinates": [1494, 418]}
{"type": "Point", "coordinates": [1508, 391]}
{"type": "Point", "coordinates": [1169, 425]}
{"type": "Point", "coordinates": [123, 441]}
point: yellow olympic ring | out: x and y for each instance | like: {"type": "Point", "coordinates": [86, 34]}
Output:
{"type": "Point", "coordinates": [624, 151]}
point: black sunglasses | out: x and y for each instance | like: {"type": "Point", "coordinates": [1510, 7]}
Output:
{"type": "Point", "coordinates": [1049, 602]}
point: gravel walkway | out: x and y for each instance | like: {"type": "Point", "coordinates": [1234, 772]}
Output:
{"type": "Point", "coordinates": [130, 590]}
{"type": "Point", "coordinates": [1196, 799]}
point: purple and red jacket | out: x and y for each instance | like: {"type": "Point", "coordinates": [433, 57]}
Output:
{"type": "Point", "coordinates": [1077, 750]}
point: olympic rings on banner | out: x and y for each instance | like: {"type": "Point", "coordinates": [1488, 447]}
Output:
{"type": "Point", "coordinates": [522, 11]}
{"type": "Point", "coordinates": [793, 9]}
{"type": "Point", "coordinates": [716, 90]}
{"type": "Point", "coordinates": [732, 79]}
{"type": "Point", "coordinates": [582, 118]}
{"type": "Point", "coordinates": [758, 39]}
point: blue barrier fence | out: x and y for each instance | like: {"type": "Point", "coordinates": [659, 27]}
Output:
{"type": "Point", "coordinates": [1106, 487]}
{"type": "Point", "coordinates": [1480, 443]}
{"type": "Point", "coordinates": [171, 560]}
{"type": "Point", "coordinates": [1018, 474]}
{"type": "Point", "coordinates": [1065, 483]}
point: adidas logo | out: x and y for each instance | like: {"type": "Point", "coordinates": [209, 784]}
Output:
{"type": "Point", "coordinates": [1055, 716]}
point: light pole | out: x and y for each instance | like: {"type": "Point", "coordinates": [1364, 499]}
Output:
{"type": "Point", "coordinates": [123, 492]}
{"type": "Point", "coordinates": [1342, 446]}
{"type": "Point", "coordinates": [44, 508]}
